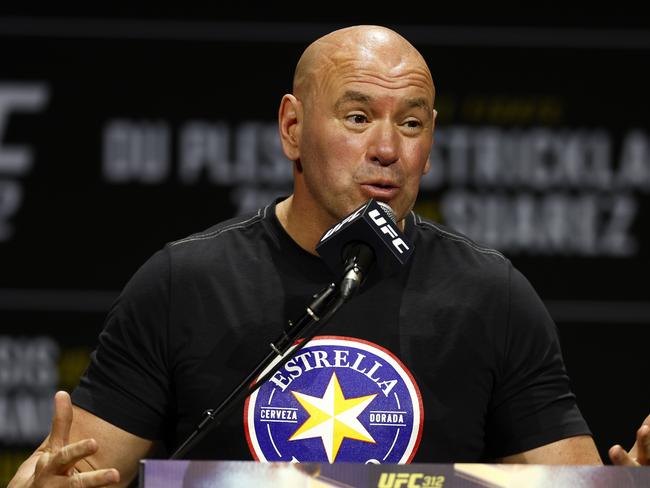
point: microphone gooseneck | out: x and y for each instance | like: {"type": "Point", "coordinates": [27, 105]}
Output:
{"type": "Point", "coordinates": [359, 259]}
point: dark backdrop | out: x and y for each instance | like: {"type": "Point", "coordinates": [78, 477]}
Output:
{"type": "Point", "coordinates": [123, 130]}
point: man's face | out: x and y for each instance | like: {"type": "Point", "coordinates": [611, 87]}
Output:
{"type": "Point", "coordinates": [367, 131]}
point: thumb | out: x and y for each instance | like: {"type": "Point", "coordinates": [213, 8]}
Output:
{"type": "Point", "coordinates": [61, 420]}
{"type": "Point", "coordinates": [641, 449]}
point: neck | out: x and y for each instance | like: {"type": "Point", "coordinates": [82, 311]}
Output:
{"type": "Point", "coordinates": [300, 227]}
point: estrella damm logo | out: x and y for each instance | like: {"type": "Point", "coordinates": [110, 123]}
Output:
{"type": "Point", "coordinates": [339, 399]}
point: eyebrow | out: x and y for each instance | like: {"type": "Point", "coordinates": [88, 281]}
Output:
{"type": "Point", "coordinates": [352, 96]}
{"type": "Point", "coordinates": [419, 102]}
{"type": "Point", "coordinates": [355, 96]}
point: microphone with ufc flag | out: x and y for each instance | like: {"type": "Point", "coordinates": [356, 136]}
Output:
{"type": "Point", "coordinates": [367, 238]}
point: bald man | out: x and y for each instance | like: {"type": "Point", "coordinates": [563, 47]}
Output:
{"type": "Point", "coordinates": [453, 359]}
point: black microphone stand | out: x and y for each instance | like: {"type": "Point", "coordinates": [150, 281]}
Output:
{"type": "Point", "coordinates": [325, 304]}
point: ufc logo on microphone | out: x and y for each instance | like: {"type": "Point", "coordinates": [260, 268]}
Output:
{"type": "Point", "coordinates": [387, 229]}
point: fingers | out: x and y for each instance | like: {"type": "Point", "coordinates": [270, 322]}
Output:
{"type": "Point", "coordinates": [643, 444]}
{"type": "Point", "coordinates": [56, 470]}
{"type": "Point", "coordinates": [55, 466]}
{"type": "Point", "coordinates": [640, 452]}
{"type": "Point", "coordinates": [71, 454]}
{"type": "Point", "coordinates": [620, 457]}
{"type": "Point", "coordinates": [93, 479]}
{"type": "Point", "coordinates": [61, 420]}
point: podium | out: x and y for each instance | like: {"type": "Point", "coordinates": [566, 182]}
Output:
{"type": "Point", "coordinates": [240, 474]}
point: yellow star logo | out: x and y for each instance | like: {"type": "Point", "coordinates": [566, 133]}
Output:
{"type": "Point", "coordinates": [333, 418]}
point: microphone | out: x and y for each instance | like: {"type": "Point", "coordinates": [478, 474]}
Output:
{"type": "Point", "coordinates": [367, 238]}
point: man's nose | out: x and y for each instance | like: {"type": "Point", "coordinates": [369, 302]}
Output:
{"type": "Point", "coordinates": [384, 143]}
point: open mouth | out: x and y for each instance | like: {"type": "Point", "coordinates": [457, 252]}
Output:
{"type": "Point", "coordinates": [381, 191]}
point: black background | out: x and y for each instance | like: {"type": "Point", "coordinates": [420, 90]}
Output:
{"type": "Point", "coordinates": [78, 239]}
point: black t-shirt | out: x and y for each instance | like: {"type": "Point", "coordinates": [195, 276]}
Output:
{"type": "Point", "coordinates": [454, 359]}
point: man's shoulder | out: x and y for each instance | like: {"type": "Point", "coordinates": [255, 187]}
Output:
{"type": "Point", "coordinates": [222, 232]}
{"type": "Point", "coordinates": [432, 233]}
{"type": "Point", "coordinates": [229, 238]}
{"type": "Point", "coordinates": [458, 267]}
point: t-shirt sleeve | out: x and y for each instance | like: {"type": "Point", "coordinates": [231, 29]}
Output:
{"type": "Point", "coordinates": [533, 404]}
{"type": "Point", "coordinates": [127, 380]}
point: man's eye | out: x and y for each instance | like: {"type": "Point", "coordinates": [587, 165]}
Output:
{"type": "Point", "coordinates": [357, 118]}
{"type": "Point", "coordinates": [413, 124]}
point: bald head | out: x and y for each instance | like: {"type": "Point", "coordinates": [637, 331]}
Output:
{"type": "Point", "coordinates": [361, 47]}
{"type": "Point", "coordinates": [358, 125]}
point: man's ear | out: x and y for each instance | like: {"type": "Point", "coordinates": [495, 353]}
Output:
{"type": "Point", "coordinates": [289, 122]}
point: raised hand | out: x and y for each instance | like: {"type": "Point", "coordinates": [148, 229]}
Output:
{"type": "Point", "coordinates": [639, 455]}
{"type": "Point", "coordinates": [54, 462]}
